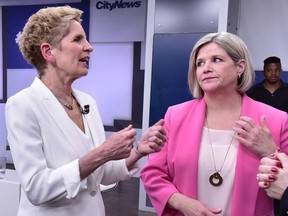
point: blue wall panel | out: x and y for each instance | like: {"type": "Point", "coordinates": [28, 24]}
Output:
{"type": "Point", "coordinates": [169, 85]}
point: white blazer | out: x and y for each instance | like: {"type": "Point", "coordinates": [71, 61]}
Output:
{"type": "Point", "coordinates": [46, 149]}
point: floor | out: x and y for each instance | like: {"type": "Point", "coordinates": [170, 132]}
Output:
{"type": "Point", "coordinates": [123, 200]}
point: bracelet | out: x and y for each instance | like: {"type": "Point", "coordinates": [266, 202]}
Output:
{"type": "Point", "coordinates": [138, 153]}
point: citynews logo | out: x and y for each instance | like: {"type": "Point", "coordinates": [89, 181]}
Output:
{"type": "Point", "coordinates": [105, 5]}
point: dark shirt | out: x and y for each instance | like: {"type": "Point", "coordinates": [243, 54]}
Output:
{"type": "Point", "coordinates": [279, 99]}
{"type": "Point", "coordinates": [284, 203]}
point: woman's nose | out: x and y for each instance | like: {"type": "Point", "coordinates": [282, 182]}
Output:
{"type": "Point", "coordinates": [206, 67]}
{"type": "Point", "coordinates": [88, 47]}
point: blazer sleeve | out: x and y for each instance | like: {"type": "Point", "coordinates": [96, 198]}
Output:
{"type": "Point", "coordinates": [163, 173]}
{"type": "Point", "coordinates": [156, 178]}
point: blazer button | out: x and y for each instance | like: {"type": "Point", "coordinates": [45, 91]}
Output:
{"type": "Point", "coordinates": [93, 193]}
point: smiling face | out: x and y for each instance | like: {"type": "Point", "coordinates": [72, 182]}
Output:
{"type": "Point", "coordinates": [72, 54]}
{"type": "Point", "coordinates": [215, 70]}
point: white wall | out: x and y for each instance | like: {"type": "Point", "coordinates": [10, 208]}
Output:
{"type": "Point", "coordinates": [263, 26]}
{"type": "Point", "coordinates": [110, 77]}
{"type": "Point", "coordinates": [3, 139]}
{"type": "Point", "coordinates": [147, 89]}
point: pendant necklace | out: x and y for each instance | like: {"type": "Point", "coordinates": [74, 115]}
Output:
{"type": "Point", "coordinates": [67, 105]}
{"type": "Point", "coordinates": [216, 179]}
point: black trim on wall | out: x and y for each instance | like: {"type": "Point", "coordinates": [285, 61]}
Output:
{"type": "Point", "coordinates": [138, 87]}
{"type": "Point", "coordinates": [4, 58]}
{"type": "Point", "coordinates": [137, 95]}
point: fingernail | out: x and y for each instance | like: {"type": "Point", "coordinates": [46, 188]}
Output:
{"type": "Point", "coordinates": [266, 184]}
{"type": "Point", "coordinates": [278, 164]}
{"type": "Point", "coordinates": [274, 169]}
{"type": "Point", "coordinates": [279, 150]}
{"type": "Point", "coordinates": [272, 177]}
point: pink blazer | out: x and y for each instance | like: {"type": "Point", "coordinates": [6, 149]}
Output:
{"type": "Point", "coordinates": [175, 167]}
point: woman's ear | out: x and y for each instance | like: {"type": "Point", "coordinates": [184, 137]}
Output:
{"type": "Point", "coordinates": [241, 67]}
{"type": "Point", "coordinates": [46, 51]}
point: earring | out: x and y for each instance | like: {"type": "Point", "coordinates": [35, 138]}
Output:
{"type": "Point", "coordinates": [239, 76]}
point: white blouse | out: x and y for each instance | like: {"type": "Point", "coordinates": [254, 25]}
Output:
{"type": "Point", "coordinates": [219, 197]}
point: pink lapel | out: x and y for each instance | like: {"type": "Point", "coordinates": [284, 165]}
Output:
{"type": "Point", "coordinates": [246, 188]}
{"type": "Point", "coordinates": [187, 132]}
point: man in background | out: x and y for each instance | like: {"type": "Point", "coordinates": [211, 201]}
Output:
{"type": "Point", "coordinates": [272, 90]}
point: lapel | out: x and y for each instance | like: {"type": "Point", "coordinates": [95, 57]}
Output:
{"type": "Point", "coordinates": [246, 169]}
{"type": "Point", "coordinates": [56, 112]}
{"type": "Point", "coordinates": [186, 130]}
{"type": "Point", "coordinates": [196, 114]}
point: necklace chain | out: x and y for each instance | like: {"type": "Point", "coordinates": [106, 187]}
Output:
{"type": "Point", "coordinates": [67, 105]}
{"type": "Point", "coordinates": [216, 175]}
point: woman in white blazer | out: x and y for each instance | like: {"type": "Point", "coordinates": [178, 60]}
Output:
{"type": "Point", "coordinates": [58, 147]}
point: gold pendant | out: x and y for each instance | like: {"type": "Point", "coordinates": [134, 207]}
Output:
{"type": "Point", "coordinates": [216, 179]}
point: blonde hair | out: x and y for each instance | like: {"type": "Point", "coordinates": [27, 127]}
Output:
{"type": "Point", "coordinates": [235, 48]}
{"type": "Point", "coordinates": [49, 25]}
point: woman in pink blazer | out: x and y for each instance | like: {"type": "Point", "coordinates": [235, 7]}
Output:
{"type": "Point", "coordinates": [209, 162]}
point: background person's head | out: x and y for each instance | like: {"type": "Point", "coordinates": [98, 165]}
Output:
{"type": "Point", "coordinates": [49, 25]}
{"type": "Point", "coordinates": [272, 70]}
{"type": "Point", "coordinates": [237, 51]}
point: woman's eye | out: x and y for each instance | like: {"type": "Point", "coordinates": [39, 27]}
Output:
{"type": "Point", "coordinates": [76, 39]}
{"type": "Point", "coordinates": [216, 60]}
{"type": "Point", "coordinates": [199, 64]}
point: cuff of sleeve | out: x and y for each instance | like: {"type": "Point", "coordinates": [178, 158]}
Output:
{"type": "Point", "coordinates": [284, 203]}
{"type": "Point", "coordinates": [128, 173]}
{"type": "Point", "coordinates": [117, 171]}
{"type": "Point", "coordinates": [135, 169]}
{"type": "Point", "coordinates": [71, 178]}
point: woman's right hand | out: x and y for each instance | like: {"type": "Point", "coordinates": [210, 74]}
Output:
{"type": "Point", "coordinates": [119, 144]}
{"type": "Point", "coordinates": [191, 207]}
{"type": "Point", "coordinates": [273, 174]}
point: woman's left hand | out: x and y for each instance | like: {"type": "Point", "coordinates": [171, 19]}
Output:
{"type": "Point", "coordinates": [257, 138]}
{"type": "Point", "coordinates": [153, 139]}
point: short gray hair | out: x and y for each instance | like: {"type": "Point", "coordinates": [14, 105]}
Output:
{"type": "Point", "coordinates": [49, 25]}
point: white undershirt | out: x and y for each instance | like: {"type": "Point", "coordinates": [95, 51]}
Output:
{"type": "Point", "coordinates": [221, 196]}
{"type": "Point", "coordinates": [86, 136]}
